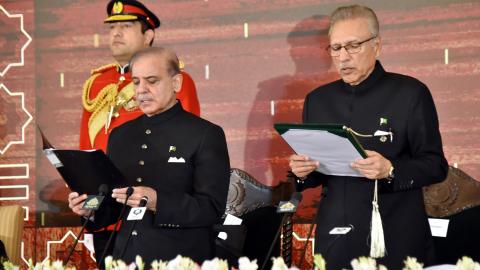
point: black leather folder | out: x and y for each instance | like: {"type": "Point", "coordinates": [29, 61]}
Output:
{"type": "Point", "coordinates": [84, 171]}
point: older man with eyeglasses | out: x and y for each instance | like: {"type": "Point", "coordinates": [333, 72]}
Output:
{"type": "Point", "coordinates": [368, 99]}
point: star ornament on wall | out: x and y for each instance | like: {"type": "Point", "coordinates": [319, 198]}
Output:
{"type": "Point", "coordinates": [59, 243]}
{"type": "Point", "coordinates": [10, 112]}
{"type": "Point", "coordinates": [6, 65]}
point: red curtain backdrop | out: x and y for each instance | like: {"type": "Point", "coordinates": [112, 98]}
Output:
{"type": "Point", "coordinates": [252, 61]}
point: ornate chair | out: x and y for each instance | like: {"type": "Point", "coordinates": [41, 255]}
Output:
{"type": "Point", "coordinates": [246, 194]}
{"type": "Point", "coordinates": [457, 199]}
{"type": "Point", "coordinates": [11, 230]}
{"type": "Point", "coordinates": [255, 203]}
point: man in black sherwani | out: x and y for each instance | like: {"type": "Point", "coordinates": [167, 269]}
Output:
{"type": "Point", "coordinates": [176, 159]}
{"type": "Point", "coordinates": [369, 99]}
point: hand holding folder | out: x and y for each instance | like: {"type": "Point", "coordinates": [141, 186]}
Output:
{"type": "Point", "coordinates": [84, 171]}
{"type": "Point", "coordinates": [333, 145]}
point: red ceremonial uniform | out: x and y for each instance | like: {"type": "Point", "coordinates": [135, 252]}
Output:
{"type": "Point", "coordinates": [108, 102]}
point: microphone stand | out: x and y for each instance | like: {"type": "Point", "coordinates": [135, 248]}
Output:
{"type": "Point", "coordinates": [129, 193]}
{"type": "Point", "coordinates": [143, 202]}
{"type": "Point", "coordinates": [295, 200]}
{"type": "Point", "coordinates": [304, 249]}
{"type": "Point", "coordinates": [310, 231]}
{"type": "Point", "coordinates": [78, 236]}
{"type": "Point", "coordinates": [284, 218]}
{"type": "Point", "coordinates": [102, 190]}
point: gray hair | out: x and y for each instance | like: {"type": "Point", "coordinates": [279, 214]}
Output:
{"type": "Point", "coordinates": [355, 12]}
{"type": "Point", "coordinates": [170, 58]}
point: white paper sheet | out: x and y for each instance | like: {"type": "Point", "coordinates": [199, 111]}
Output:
{"type": "Point", "coordinates": [335, 153]}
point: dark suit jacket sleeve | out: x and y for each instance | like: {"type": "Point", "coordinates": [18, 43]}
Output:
{"type": "Point", "coordinates": [425, 163]}
{"type": "Point", "coordinates": [205, 204]}
{"type": "Point", "coordinates": [313, 180]}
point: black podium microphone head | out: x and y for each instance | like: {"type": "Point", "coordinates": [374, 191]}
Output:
{"type": "Point", "coordinates": [129, 191]}
{"type": "Point", "coordinates": [102, 190]}
{"type": "Point", "coordinates": [296, 196]}
{"type": "Point", "coordinates": [291, 205]}
{"type": "Point", "coordinates": [143, 201]}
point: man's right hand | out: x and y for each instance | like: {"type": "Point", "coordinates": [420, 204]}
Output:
{"type": "Point", "coordinates": [302, 166]}
{"type": "Point", "coordinates": [75, 202]}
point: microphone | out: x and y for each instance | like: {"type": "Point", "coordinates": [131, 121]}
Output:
{"type": "Point", "coordinates": [291, 205]}
{"type": "Point", "coordinates": [115, 228]}
{"type": "Point", "coordinates": [287, 209]}
{"type": "Point", "coordinates": [136, 214]}
{"type": "Point", "coordinates": [103, 189]}
{"type": "Point", "coordinates": [92, 203]}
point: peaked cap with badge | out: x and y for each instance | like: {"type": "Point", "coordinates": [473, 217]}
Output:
{"type": "Point", "coordinates": [130, 10]}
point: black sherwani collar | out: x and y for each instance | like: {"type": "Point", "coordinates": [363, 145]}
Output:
{"type": "Point", "coordinates": [369, 82]}
{"type": "Point", "coordinates": [163, 116]}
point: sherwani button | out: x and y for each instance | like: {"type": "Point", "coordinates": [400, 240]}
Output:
{"type": "Point", "coordinates": [144, 146]}
{"type": "Point", "coordinates": [148, 131]}
{"type": "Point", "coordinates": [139, 179]}
{"type": "Point", "coordinates": [141, 162]}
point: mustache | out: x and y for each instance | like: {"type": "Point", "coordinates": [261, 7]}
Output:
{"type": "Point", "coordinates": [345, 65]}
{"type": "Point", "coordinates": [142, 97]}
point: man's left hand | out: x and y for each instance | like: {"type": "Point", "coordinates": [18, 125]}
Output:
{"type": "Point", "coordinates": [375, 166]}
{"type": "Point", "coordinates": [138, 192]}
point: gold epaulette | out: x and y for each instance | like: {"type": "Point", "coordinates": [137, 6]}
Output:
{"type": "Point", "coordinates": [103, 68]}
{"type": "Point", "coordinates": [107, 102]}
{"type": "Point", "coordinates": [181, 64]}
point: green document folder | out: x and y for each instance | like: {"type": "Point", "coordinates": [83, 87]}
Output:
{"type": "Point", "coordinates": [333, 145]}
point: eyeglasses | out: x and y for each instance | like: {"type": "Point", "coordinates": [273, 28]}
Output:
{"type": "Point", "coordinates": [351, 48]}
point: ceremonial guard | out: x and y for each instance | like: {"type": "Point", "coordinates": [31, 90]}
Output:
{"type": "Point", "coordinates": [108, 93]}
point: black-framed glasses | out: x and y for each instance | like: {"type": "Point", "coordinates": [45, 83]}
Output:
{"type": "Point", "coordinates": [351, 48]}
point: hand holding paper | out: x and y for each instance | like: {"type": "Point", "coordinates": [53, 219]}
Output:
{"type": "Point", "coordinates": [302, 165]}
{"type": "Point", "coordinates": [375, 166]}
{"type": "Point", "coordinates": [332, 145]}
